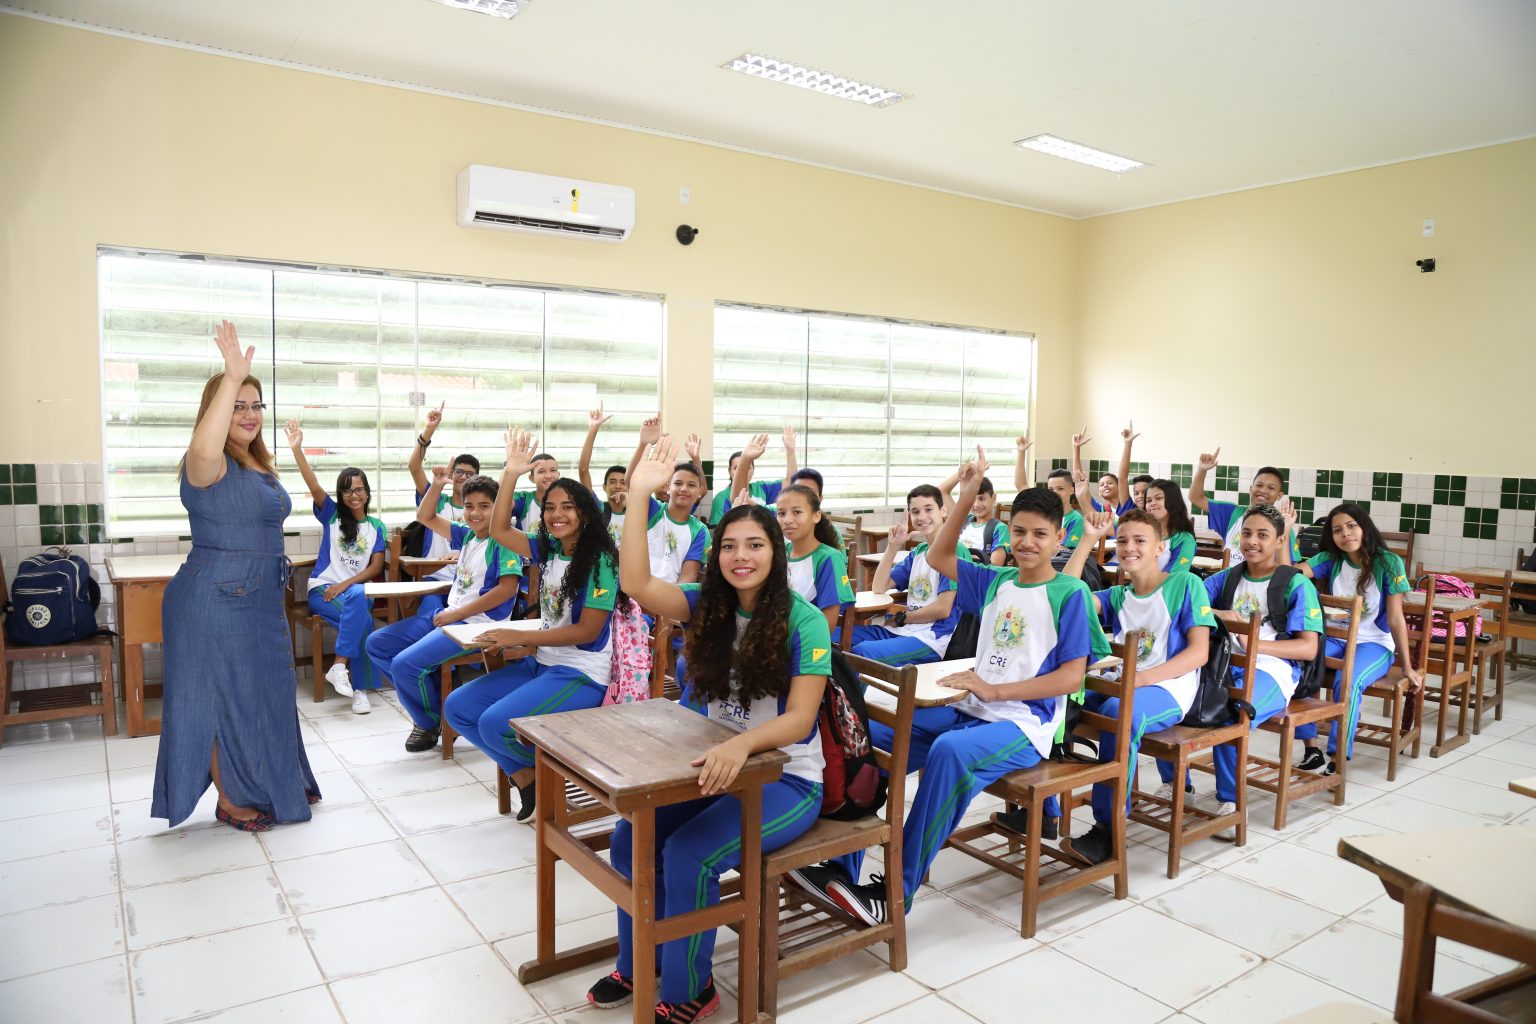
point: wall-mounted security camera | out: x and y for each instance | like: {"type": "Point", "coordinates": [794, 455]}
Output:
{"type": "Point", "coordinates": [1425, 266]}
{"type": "Point", "coordinates": [686, 234]}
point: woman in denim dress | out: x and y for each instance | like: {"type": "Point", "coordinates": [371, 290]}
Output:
{"type": "Point", "coordinates": [229, 715]}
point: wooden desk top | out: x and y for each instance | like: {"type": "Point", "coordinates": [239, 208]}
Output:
{"type": "Point", "coordinates": [467, 634]}
{"type": "Point", "coordinates": [420, 560]}
{"type": "Point", "coordinates": [1484, 870]}
{"type": "Point", "coordinates": [1525, 787]}
{"type": "Point", "coordinates": [868, 601]}
{"type": "Point", "coordinates": [930, 694]}
{"type": "Point", "coordinates": [151, 568]}
{"type": "Point", "coordinates": [1489, 574]}
{"type": "Point", "coordinates": [405, 588]}
{"type": "Point", "coordinates": [1414, 600]}
{"type": "Point", "coordinates": [639, 754]}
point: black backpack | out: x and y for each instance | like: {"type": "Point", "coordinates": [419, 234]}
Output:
{"type": "Point", "coordinates": [852, 785]}
{"type": "Point", "coordinates": [963, 641]}
{"type": "Point", "coordinates": [1314, 672]}
{"type": "Point", "coordinates": [1213, 705]}
{"type": "Point", "coordinates": [53, 600]}
{"type": "Point", "coordinates": [1091, 574]}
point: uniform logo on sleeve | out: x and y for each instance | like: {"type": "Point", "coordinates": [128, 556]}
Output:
{"type": "Point", "coordinates": [819, 653]}
{"type": "Point", "coordinates": [1313, 613]}
{"type": "Point", "coordinates": [1205, 609]}
{"type": "Point", "coordinates": [598, 592]}
{"type": "Point", "coordinates": [1010, 629]}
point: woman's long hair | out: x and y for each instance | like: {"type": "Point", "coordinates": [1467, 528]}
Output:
{"type": "Point", "coordinates": [256, 456]}
{"type": "Point", "coordinates": [824, 531]}
{"type": "Point", "coordinates": [1173, 504]}
{"type": "Point", "coordinates": [593, 545]}
{"type": "Point", "coordinates": [759, 664]}
{"type": "Point", "coordinates": [344, 517]}
{"type": "Point", "coordinates": [1372, 544]}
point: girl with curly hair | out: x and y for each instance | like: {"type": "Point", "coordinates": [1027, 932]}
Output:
{"type": "Point", "coordinates": [565, 664]}
{"type": "Point", "coordinates": [759, 655]}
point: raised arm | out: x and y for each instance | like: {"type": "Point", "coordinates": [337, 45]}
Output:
{"type": "Point", "coordinates": [791, 463]}
{"type": "Point", "coordinates": [897, 540]}
{"type": "Point", "coordinates": [419, 450]}
{"type": "Point", "coordinates": [1080, 488]}
{"type": "Point", "coordinates": [1197, 495]}
{"type": "Point", "coordinates": [204, 465]}
{"type": "Point", "coordinates": [426, 512]}
{"type": "Point", "coordinates": [595, 421]}
{"type": "Point", "coordinates": [1078, 440]}
{"type": "Point", "coordinates": [1123, 491]}
{"type": "Point", "coordinates": [942, 554]}
{"type": "Point", "coordinates": [296, 445]}
{"type": "Point", "coordinates": [650, 431]}
{"type": "Point", "coordinates": [656, 596]}
{"type": "Point", "coordinates": [1021, 472]}
{"type": "Point", "coordinates": [750, 453]}
{"type": "Point", "coordinates": [947, 491]}
{"type": "Point", "coordinates": [521, 446]}
{"type": "Point", "coordinates": [1095, 525]}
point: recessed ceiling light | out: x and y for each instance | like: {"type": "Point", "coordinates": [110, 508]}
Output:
{"type": "Point", "coordinates": [809, 78]}
{"type": "Point", "coordinates": [1052, 146]}
{"type": "Point", "coordinates": [495, 8]}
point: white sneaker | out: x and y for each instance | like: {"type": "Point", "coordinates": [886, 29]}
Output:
{"type": "Point", "coordinates": [1228, 834]}
{"type": "Point", "coordinates": [340, 679]}
{"type": "Point", "coordinates": [1164, 792]}
{"type": "Point", "coordinates": [360, 705]}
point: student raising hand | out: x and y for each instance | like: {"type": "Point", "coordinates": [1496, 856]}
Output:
{"type": "Point", "coordinates": [1129, 434]}
{"type": "Point", "coordinates": [650, 429]}
{"type": "Point", "coordinates": [294, 433]}
{"type": "Point", "coordinates": [1209, 460]}
{"type": "Point", "coordinates": [654, 468]}
{"type": "Point", "coordinates": [692, 445]}
{"type": "Point", "coordinates": [1081, 438]}
{"type": "Point", "coordinates": [971, 471]}
{"type": "Point", "coordinates": [1097, 524]}
{"type": "Point", "coordinates": [521, 446]}
{"type": "Point", "coordinates": [755, 447]}
{"type": "Point", "coordinates": [595, 418]}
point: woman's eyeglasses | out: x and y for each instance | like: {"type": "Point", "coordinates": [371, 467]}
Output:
{"type": "Point", "coordinates": [250, 407]}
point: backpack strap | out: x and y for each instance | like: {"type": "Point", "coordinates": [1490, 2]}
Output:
{"type": "Point", "coordinates": [1278, 599]}
{"type": "Point", "coordinates": [1229, 587]}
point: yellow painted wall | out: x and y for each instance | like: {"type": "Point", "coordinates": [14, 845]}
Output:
{"type": "Point", "coordinates": [1305, 296]}
{"type": "Point", "coordinates": [105, 140]}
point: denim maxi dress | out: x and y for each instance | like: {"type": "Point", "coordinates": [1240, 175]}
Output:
{"type": "Point", "coordinates": [229, 659]}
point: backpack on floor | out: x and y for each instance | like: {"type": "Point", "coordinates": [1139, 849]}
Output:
{"type": "Point", "coordinates": [1452, 586]}
{"type": "Point", "coordinates": [53, 600]}
{"type": "Point", "coordinates": [629, 670]}
{"type": "Point", "coordinates": [1213, 705]}
{"type": "Point", "coordinates": [852, 786]}
{"type": "Point", "coordinates": [1314, 672]}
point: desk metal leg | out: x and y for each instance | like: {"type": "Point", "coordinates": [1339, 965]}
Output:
{"type": "Point", "coordinates": [643, 894]}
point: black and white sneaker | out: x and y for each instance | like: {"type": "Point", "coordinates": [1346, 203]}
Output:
{"type": "Point", "coordinates": [1313, 760]}
{"type": "Point", "coordinates": [422, 739]}
{"type": "Point", "coordinates": [1094, 846]}
{"type": "Point", "coordinates": [1017, 821]}
{"type": "Point", "coordinates": [1333, 767]}
{"type": "Point", "coordinates": [817, 879]}
{"type": "Point", "coordinates": [861, 902]}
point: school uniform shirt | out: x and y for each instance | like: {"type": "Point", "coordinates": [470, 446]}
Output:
{"type": "Point", "coordinates": [615, 523]}
{"type": "Point", "coordinates": [923, 584]}
{"type": "Point", "coordinates": [1098, 506]}
{"type": "Point", "coordinates": [809, 645]}
{"type": "Point", "coordinates": [762, 493]}
{"type": "Point", "coordinates": [482, 563]}
{"type": "Point", "coordinates": [671, 542]}
{"type": "Point", "coordinates": [341, 559]}
{"type": "Point", "coordinates": [600, 590]}
{"type": "Point", "coordinates": [984, 537]}
{"type": "Point", "coordinates": [1225, 518]}
{"type": "Point", "coordinates": [437, 545]}
{"type": "Point", "coordinates": [1180, 556]}
{"type": "Point", "coordinates": [1026, 630]}
{"type": "Point", "coordinates": [527, 511]}
{"type": "Point", "coordinates": [1165, 618]}
{"type": "Point", "coordinates": [821, 577]}
{"type": "Point", "coordinates": [1341, 578]}
{"type": "Point", "coordinates": [1072, 523]}
{"type": "Point", "coordinates": [1303, 614]}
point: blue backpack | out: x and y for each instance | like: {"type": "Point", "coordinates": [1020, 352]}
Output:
{"type": "Point", "coordinates": [53, 600]}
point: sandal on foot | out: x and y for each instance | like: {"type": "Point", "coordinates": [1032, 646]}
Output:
{"type": "Point", "coordinates": [260, 823]}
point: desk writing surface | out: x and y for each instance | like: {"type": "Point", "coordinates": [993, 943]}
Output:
{"type": "Point", "coordinates": [871, 601]}
{"type": "Point", "coordinates": [1491, 871]}
{"type": "Point", "coordinates": [143, 567]}
{"type": "Point", "coordinates": [631, 750]}
{"type": "Point", "coordinates": [1414, 601]}
{"type": "Point", "coordinates": [467, 634]}
{"type": "Point", "coordinates": [1525, 787]}
{"type": "Point", "coordinates": [390, 588]}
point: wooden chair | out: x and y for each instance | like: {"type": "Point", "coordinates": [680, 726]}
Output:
{"type": "Point", "coordinates": [1522, 623]}
{"type": "Point", "coordinates": [1449, 668]}
{"type": "Point", "coordinates": [1427, 917]}
{"type": "Point", "coordinates": [848, 527]}
{"type": "Point", "coordinates": [1282, 777]}
{"type": "Point", "coordinates": [447, 682]}
{"type": "Point", "coordinates": [300, 617]}
{"type": "Point", "coordinates": [664, 682]}
{"type": "Point", "coordinates": [1400, 543]}
{"type": "Point", "coordinates": [1180, 745]}
{"type": "Point", "coordinates": [1029, 788]}
{"type": "Point", "coordinates": [52, 703]}
{"type": "Point", "coordinates": [1492, 647]}
{"type": "Point", "coordinates": [1393, 691]}
{"type": "Point", "coordinates": [798, 932]}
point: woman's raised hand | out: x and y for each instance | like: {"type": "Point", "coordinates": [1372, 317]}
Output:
{"type": "Point", "coordinates": [237, 364]}
{"type": "Point", "coordinates": [655, 467]}
{"type": "Point", "coordinates": [295, 433]}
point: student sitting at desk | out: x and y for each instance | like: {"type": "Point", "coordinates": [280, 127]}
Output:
{"type": "Point", "coordinates": [765, 492]}
{"type": "Point", "coordinates": [984, 535]}
{"type": "Point", "coordinates": [614, 491]}
{"type": "Point", "coordinates": [484, 589]}
{"type": "Point", "coordinates": [351, 554]}
{"type": "Point", "coordinates": [1037, 635]}
{"type": "Point", "coordinates": [1117, 491]}
{"type": "Point", "coordinates": [1173, 613]}
{"type": "Point", "coordinates": [761, 654]}
{"type": "Point", "coordinates": [818, 569]}
{"type": "Point", "coordinates": [566, 664]}
{"type": "Point", "coordinates": [1225, 518]}
{"type": "Point", "coordinates": [450, 504]}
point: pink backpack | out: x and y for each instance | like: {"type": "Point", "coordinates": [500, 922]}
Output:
{"type": "Point", "coordinates": [1454, 586]}
{"type": "Point", "coordinates": [629, 673]}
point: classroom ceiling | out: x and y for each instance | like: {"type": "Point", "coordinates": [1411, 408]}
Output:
{"type": "Point", "coordinates": [1215, 95]}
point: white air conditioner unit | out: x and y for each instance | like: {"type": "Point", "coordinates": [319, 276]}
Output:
{"type": "Point", "coordinates": [494, 197]}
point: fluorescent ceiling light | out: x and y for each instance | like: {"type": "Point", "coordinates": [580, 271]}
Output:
{"type": "Point", "coordinates": [1052, 146]}
{"type": "Point", "coordinates": [495, 8]}
{"type": "Point", "coordinates": [810, 78]}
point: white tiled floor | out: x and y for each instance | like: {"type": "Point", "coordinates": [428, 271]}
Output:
{"type": "Point", "coordinates": [407, 898]}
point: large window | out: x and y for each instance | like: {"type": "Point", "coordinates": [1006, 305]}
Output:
{"type": "Point", "coordinates": [880, 405]}
{"type": "Point", "coordinates": [347, 352]}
